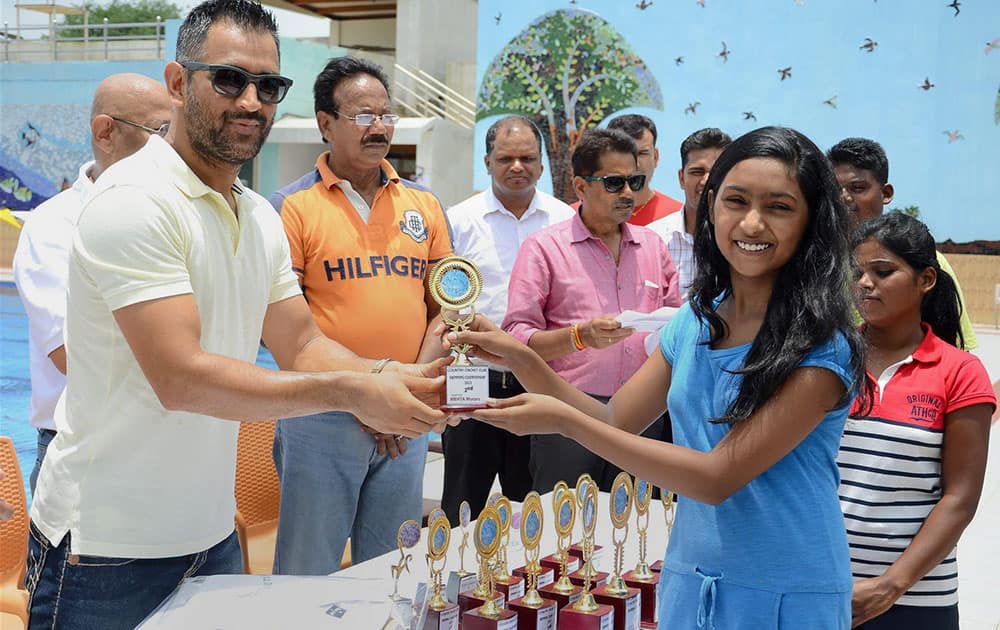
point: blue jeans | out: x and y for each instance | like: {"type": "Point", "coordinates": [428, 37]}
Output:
{"type": "Point", "coordinates": [44, 437]}
{"type": "Point", "coordinates": [90, 592]}
{"type": "Point", "coordinates": [334, 485]}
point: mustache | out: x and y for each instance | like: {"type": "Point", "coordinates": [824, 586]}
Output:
{"type": "Point", "coordinates": [254, 116]}
{"type": "Point", "coordinates": [379, 139]}
{"type": "Point", "coordinates": [625, 203]}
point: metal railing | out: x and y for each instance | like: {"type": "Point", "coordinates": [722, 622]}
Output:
{"type": "Point", "coordinates": [56, 46]}
{"type": "Point", "coordinates": [422, 95]}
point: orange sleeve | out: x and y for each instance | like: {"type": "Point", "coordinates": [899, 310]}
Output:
{"type": "Point", "coordinates": [440, 234]}
{"type": "Point", "coordinates": [291, 218]}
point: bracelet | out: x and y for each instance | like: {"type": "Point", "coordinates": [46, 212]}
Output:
{"type": "Point", "coordinates": [577, 339]}
{"type": "Point", "coordinates": [380, 365]}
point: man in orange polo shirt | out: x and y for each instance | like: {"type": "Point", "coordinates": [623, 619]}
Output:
{"type": "Point", "coordinates": [362, 241]}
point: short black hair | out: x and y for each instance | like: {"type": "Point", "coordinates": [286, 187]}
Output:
{"type": "Point", "coordinates": [595, 143]}
{"type": "Point", "coordinates": [337, 69]}
{"type": "Point", "coordinates": [861, 153]}
{"type": "Point", "coordinates": [707, 138]}
{"type": "Point", "coordinates": [634, 125]}
{"type": "Point", "coordinates": [248, 15]}
{"type": "Point", "coordinates": [511, 121]}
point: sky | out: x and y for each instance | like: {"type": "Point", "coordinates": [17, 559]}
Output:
{"type": "Point", "coordinates": [954, 182]}
{"type": "Point", "coordinates": [290, 23]}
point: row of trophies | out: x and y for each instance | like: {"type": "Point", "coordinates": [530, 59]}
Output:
{"type": "Point", "coordinates": [530, 597]}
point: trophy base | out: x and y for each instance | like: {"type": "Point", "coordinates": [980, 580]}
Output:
{"type": "Point", "coordinates": [648, 625]}
{"type": "Point", "coordinates": [460, 583]}
{"type": "Point", "coordinates": [577, 550]}
{"type": "Point", "coordinates": [445, 619]}
{"type": "Point", "coordinates": [599, 578]}
{"type": "Point", "coordinates": [560, 598]}
{"type": "Point", "coordinates": [552, 562]}
{"type": "Point", "coordinates": [535, 616]}
{"type": "Point", "coordinates": [467, 388]}
{"type": "Point", "coordinates": [454, 409]}
{"type": "Point", "coordinates": [512, 587]}
{"type": "Point", "coordinates": [627, 606]}
{"type": "Point", "coordinates": [475, 620]}
{"type": "Point", "coordinates": [650, 590]}
{"type": "Point", "coordinates": [601, 619]}
{"type": "Point", "coordinates": [657, 566]}
{"type": "Point", "coordinates": [468, 600]}
{"type": "Point", "coordinates": [545, 577]}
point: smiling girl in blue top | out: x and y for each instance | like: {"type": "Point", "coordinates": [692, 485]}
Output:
{"type": "Point", "coordinates": [757, 371]}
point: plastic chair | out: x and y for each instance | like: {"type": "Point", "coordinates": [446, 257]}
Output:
{"type": "Point", "coordinates": [13, 536]}
{"type": "Point", "coordinates": [257, 496]}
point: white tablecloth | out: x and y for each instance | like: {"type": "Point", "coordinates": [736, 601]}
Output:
{"type": "Point", "coordinates": [358, 597]}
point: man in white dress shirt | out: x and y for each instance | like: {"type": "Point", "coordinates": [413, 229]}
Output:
{"type": "Point", "coordinates": [126, 110]}
{"type": "Point", "coordinates": [488, 228]}
{"type": "Point", "coordinates": [698, 153]}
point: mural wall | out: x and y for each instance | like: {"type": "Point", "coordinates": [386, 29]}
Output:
{"type": "Point", "coordinates": [921, 78]}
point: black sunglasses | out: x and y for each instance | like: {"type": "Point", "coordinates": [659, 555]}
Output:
{"type": "Point", "coordinates": [231, 81]}
{"type": "Point", "coordinates": [615, 183]}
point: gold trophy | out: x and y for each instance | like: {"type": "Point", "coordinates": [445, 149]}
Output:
{"type": "Point", "coordinates": [511, 586]}
{"type": "Point", "coordinates": [455, 283]}
{"type": "Point", "coordinates": [586, 613]}
{"type": "Point", "coordinates": [533, 611]}
{"type": "Point", "coordinates": [625, 600]}
{"type": "Point", "coordinates": [563, 591]}
{"type": "Point", "coordinates": [407, 537]}
{"type": "Point", "coordinates": [555, 561]}
{"type": "Point", "coordinates": [669, 500]}
{"type": "Point", "coordinates": [587, 570]}
{"type": "Point", "coordinates": [644, 578]}
{"type": "Point", "coordinates": [462, 580]}
{"type": "Point", "coordinates": [488, 615]}
{"type": "Point", "coordinates": [441, 614]}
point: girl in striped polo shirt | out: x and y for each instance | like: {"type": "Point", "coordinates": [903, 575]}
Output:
{"type": "Point", "coordinates": [912, 467]}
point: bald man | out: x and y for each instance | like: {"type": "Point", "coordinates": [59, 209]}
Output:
{"type": "Point", "coordinates": [127, 109]}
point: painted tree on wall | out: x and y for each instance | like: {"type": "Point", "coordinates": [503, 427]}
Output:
{"type": "Point", "coordinates": [567, 71]}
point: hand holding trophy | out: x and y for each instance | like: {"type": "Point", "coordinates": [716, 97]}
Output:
{"type": "Point", "coordinates": [455, 283]}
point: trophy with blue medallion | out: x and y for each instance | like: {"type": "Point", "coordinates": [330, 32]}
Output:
{"type": "Point", "coordinates": [511, 586]}
{"type": "Point", "coordinates": [455, 283]}
{"type": "Point", "coordinates": [462, 580]}
{"type": "Point", "coordinates": [441, 614]}
{"type": "Point", "coordinates": [407, 537]}
{"type": "Point", "coordinates": [669, 500]}
{"type": "Point", "coordinates": [588, 570]}
{"type": "Point", "coordinates": [624, 599]}
{"type": "Point", "coordinates": [489, 612]}
{"type": "Point", "coordinates": [533, 611]}
{"type": "Point", "coordinates": [586, 613]}
{"type": "Point", "coordinates": [643, 577]}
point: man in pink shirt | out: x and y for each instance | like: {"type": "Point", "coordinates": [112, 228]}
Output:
{"type": "Point", "coordinates": [571, 280]}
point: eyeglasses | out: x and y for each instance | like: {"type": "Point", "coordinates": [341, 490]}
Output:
{"type": "Point", "coordinates": [159, 131]}
{"type": "Point", "coordinates": [231, 81]}
{"type": "Point", "coordinates": [367, 120]}
{"type": "Point", "coordinates": [615, 183]}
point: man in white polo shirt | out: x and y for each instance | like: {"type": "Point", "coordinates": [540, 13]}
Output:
{"type": "Point", "coordinates": [488, 228]}
{"type": "Point", "coordinates": [177, 271]}
{"type": "Point", "coordinates": [126, 110]}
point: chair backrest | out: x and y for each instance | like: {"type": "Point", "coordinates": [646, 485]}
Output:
{"type": "Point", "coordinates": [13, 533]}
{"type": "Point", "coordinates": [257, 490]}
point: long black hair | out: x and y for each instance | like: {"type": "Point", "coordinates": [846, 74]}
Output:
{"type": "Point", "coordinates": [910, 239]}
{"type": "Point", "coordinates": [811, 300]}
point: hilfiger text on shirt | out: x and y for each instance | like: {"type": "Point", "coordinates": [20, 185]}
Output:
{"type": "Point", "coordinates": [357, 267]}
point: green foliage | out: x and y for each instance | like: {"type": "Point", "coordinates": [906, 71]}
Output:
{"type": "Point", "coordinates": [122, 12]}
{"type": "Point", "coordinates": [913, 211]}
{"type": "Point", "coordinates": [567, 71]}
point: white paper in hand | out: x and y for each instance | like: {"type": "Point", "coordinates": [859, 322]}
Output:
{"type": "Point", "coordinates": [647, 322]}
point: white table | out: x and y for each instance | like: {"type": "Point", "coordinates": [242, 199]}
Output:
{"type": "Point", "coordinates": [358, 597]}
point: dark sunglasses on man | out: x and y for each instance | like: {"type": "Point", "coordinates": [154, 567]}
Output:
{"type": "Point", "coordinates": [231, 81]}
{"type": "Point", "coordinates": [615, 183]}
